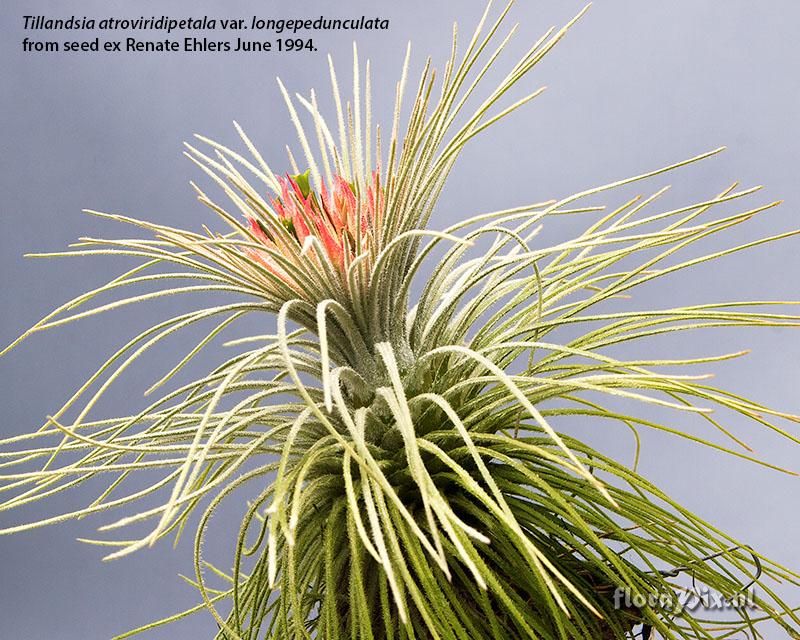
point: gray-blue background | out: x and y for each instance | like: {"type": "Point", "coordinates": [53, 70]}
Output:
{"type": "Point", "coordinates": [636, 85]}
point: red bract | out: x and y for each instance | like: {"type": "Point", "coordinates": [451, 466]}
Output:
{"type": "Point", "coordinates": [344, 224]}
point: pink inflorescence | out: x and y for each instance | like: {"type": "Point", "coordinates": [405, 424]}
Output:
{"type": "Point", "coordinates": [332, 216]}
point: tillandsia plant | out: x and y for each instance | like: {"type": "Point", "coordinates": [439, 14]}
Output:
{"type": "Point", "coordinates": [400, 427]}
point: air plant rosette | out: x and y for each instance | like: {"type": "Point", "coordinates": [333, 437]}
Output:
{"type": "Point", "coordinates": [399, 428]}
